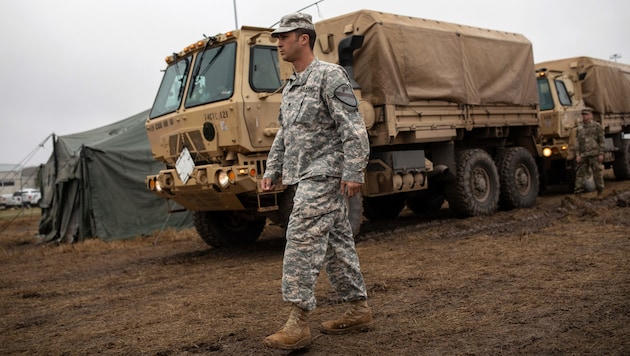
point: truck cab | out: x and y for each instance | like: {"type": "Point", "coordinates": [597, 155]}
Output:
{"type": "Point", "coordinates": [212, 123]}
{"type": "Point", "coordinates": [218, 104]}
{"type": "Point", "coordinates": [559, 116]}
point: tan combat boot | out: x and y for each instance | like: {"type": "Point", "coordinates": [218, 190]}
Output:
{"type": "Point", "coordinates": [358, 317]}
{"type": "Point", "coordinates": [295, 334]}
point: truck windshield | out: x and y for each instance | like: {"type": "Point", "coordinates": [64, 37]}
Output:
{"type": "Point", "coordinates": [544, 94]}
{"type": "Point", "coordinates": [214, 76]}
{"type": "Point", "coordinates": [169, 95]}
{"type": "Point", "coordinates": [264, 72]}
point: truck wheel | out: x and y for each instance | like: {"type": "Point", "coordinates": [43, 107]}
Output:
{"type": "Point", "coordinates": [383, 207]}
{"type": "Point", "coordinates": [285, 206]}
{"type": "Point", "coordinates": [227, 228]}
{"type": "Point", "coordinates": [475, 190]}
{"type": "Point", "coordinates": [425, 201]}
{"type": "Point", "coordinates": [518, 176]}
{"type": "Point", "coordinates": [571, 175]}
{"type": "Point", "coordinates": [621, 166]}
{"type": "Point", "coordinates": [355, 213]}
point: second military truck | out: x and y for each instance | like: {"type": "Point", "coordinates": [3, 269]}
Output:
{"type": "Point", "coordinates": [565, 87]}
{"type": "Point", "coordinates": [451, 112]}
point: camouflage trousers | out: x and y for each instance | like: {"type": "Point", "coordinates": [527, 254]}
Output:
{"type": "Point", "coordinates": [582, 172]}
{"type": "Point", "coordinates": [319, 233]}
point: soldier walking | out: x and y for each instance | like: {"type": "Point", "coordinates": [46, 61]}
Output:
{"type": "Point", "coordinates": [321, 149]}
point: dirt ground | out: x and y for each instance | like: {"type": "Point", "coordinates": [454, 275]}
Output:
{"type": "Point", "coordinates": [550, 280]}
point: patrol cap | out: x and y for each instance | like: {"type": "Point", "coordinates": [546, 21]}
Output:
{"type": "Point", "coordinates": [292, 22]}
{"type": "Point", "coordinates": [587, 110]}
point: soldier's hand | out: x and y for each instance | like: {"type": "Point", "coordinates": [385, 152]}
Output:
{"type": "Point", "coordinates": [578, 158]}
{"type": "Point", "coordinates": [350, 188]}
{"type": "Point", "coordinates": [600, 158]}
{"type": "Point", "coordinates": [266, 184]}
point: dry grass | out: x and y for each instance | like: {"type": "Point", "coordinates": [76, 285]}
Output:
{"type": "Point", "coordinates": [551, 280]}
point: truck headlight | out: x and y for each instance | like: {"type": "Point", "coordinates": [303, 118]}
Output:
{"type": "Point", "coordinates": [222, 179]}
{"type": "Point", "coordinates": [547, 152]}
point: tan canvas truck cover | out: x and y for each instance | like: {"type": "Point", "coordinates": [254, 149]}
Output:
{"type": "Point", "coordinates": [404, 59]}
{"type": "Point", "coordinates": [606, 85]}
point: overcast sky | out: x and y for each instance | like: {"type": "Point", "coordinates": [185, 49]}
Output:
{"type": "Point", "coordinates": [74, 65]}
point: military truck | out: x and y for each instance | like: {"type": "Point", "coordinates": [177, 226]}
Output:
{"type": "Point", "coordinates": [451, 112]}
{"type": "Point", "coordinates": [565, 86]}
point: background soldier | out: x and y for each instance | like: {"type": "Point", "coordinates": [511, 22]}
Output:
{"type": "Point", "coordinates": [589, 152]}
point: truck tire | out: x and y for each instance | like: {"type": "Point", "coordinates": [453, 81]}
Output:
{"type": "Point", "coordinates": [227, 228]}
{"type": "Point", "coordinates": [518, 177]}
{"type": "Point", "coordinates": [621, 166]}
{"type": "Point", "coordinates": [285, 206]}
{"type": "Point", "coordinates": [425, 201]}
{"type": "Point", "coordinates": [355, 213]}
{"type": "Point", "coordinates": [383, 207]}
{"type": "Point", "coordinates": [476, 189]}
{"type": "Point", "coordinates": [571, 175]}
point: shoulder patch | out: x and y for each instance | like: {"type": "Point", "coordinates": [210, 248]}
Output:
{"type": "Point", "coordinates": [345, 94]}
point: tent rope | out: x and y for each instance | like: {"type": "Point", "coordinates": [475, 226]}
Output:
{"type": "Point", "coordinates": [162, 229]}
{"type": "Point", "coordinates": [6, 226]}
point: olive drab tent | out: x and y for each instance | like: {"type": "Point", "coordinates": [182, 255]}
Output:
{"type": "Point", "coordinates": [93, 186]}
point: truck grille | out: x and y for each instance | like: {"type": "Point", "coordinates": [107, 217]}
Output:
{"type": "Point", "coordinates": [193, 140]}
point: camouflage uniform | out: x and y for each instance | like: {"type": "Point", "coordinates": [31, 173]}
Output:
{"type": "Point", "coordinates": [322, 140]}
{"type": "Point", "coordinates": [589, 144]}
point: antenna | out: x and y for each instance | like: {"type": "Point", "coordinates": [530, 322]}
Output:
{"type": "Point", "coordinates": [304, 8]}
{"type": "Point", "coordinates": [235, 16]}
{"type": "Point", "coordinates": [615, 56]}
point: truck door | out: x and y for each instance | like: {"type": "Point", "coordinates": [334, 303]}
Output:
{"type": "Point", "coordinates": [570, 115]}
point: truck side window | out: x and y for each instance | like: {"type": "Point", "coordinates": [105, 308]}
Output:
{"type": "Point", "coordinates": [563, 94]}
{"type": "Point", "coordinates": [544, 94]}
{"type": "Point", "coordinates": [264, 71]}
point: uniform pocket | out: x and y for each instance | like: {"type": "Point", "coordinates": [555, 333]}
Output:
{"type": "Point", "coordinates": [316, 197]}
